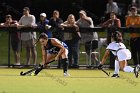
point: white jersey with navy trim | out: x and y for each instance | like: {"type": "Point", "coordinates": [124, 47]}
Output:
{"type": "Point", "coordinates": [114, 47]}
{"type": "Point", "coordinates": [119, 50]}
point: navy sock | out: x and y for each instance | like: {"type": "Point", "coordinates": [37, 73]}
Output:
{"type": "Point", "coordinates": [65, 64]}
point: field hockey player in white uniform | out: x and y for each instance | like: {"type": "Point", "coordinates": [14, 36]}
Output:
{"type": "Point", "coordinates": [122, 55]}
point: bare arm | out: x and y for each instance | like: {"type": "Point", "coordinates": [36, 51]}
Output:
{"type": "Point", "coordinates": [88, 19]}
{"type": "Point", "coordinates": [58, 44]}
{"type": "Point", "coordinates": [44, 55]}
{"type": "Point", "coordinates": [105, 57]}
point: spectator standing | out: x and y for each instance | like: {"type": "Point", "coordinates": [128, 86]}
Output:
{"type": "Point", "coordinates": [132, 22]}
{"type": "Point", "coordinates": [86, 22]}
{"type": "Point", "coordinates": [55, 22]}
{"type": "Point", "coordinates": [111, 6]}
{"type": "Point", "coordinates": [112, 24]}
{"type": "Point", "coordinates": [15, 37]}
{"type": "Point", "coordinates": [72, 40]}
{"type": "Point", "coordinates": [28, 38]}
{"type": "Point", "coordinates": [43, 24]}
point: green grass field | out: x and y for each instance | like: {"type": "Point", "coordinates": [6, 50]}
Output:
{"type": "Point", "coordinates": [80, 81]}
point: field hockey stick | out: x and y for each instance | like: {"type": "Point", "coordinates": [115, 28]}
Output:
{"type": "Point", "coordinates": [25, 73]}
{"type": "Point", "coordinates": [100, 68]}
{"type": "Point", "coordinates": [33, 69]}
{"type": "Point", "coordinates": [107, 73]}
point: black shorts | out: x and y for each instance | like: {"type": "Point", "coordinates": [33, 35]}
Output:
{"type": "Point", "coordinates": [16, 44]}
{"type": "Point", "coordinates": [91, 45]}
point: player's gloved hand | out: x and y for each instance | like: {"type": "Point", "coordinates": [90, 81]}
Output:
{"type": "Point", "coordinates": [40, 66]}
{"type": "Point", "coordinates": [100, 66]}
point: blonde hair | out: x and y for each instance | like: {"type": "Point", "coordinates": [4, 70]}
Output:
{"type": "Point", "coordinates": [70, 16]}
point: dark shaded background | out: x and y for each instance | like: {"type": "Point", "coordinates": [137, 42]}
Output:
{"type": "Point", "coordinates": [94, 8]}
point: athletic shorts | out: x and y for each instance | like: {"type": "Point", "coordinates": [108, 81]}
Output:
{"type": "Point", "coordinates": [91, 45]}
{"type": "Point", "coordinates": [16, 45]}
{"type": "Point", "coordinates": [123, 54]}
{"type": "Point", "coordinates": [66, 52]}
{"type": "Point", "coordinates": [28, 43]}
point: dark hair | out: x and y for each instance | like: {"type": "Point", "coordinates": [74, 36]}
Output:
{"type": "Point", "coordinates": [133, 8]}
{"type": "Point", "coordinates": [43, 36]}
{"type": "Point", "coordinates": [117, 36]}
{"type": "Point", "coordinates": [112, 12]}
{"type": "Point", "coordinates": [8, 16]}
{"type": "Point", "coordinates": [26, 8]}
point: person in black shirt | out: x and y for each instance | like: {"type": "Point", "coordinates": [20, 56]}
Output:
{"type": "Point", "coordinates": [55, 22]}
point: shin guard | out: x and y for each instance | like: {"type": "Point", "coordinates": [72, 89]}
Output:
{"type": "Point", "coordinates": [65, 64]}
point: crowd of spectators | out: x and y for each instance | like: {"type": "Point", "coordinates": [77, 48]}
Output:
{"type": "Point", "coordinates": [53, 28]}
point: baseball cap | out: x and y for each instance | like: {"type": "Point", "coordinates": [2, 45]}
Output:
{"type": "Point", "coordinates": [43, 14]}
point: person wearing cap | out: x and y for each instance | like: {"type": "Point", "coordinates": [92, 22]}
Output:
{"type": "Point", "coordinates": [28, 38]}
{"type": "Point", "coordinates": [43, 24]}
{"type": "Point", "coordinates": [132, 22]}
{"type": "Point", "coordinates": [15, 37]}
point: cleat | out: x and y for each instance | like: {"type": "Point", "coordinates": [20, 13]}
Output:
{"type": "Point", "coordinates": [66, 74]}
{"type": "Point", "coordinates": [136, 71]}
{"type": "Point", "coordinates": [115, 76]}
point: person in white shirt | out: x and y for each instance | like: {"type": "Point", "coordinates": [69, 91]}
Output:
{"type": "Point", "coordinates": [28, 38]}
{"type": "Point", "coordinates": [122, 55]}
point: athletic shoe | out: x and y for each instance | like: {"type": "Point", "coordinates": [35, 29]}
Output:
{"type": "Point", "coordinates": [115, 76]}
{"type": "Point", "coordinates": [17, 63]}
{"type": "Point", "coordinates": [136, 71]}
{"type": "Point", "coordinates": [66, 74]}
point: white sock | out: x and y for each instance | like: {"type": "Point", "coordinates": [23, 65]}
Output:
{"type": "Point", "coordinates": [117, 67]}
{"type": "Point", "coordinates": [128, 69]}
